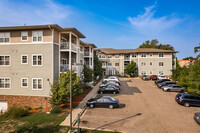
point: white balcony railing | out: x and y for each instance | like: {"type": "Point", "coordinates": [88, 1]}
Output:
{"type": "Point", "coordinates": [64, 67]}
{"type": "Point", "coordinates": [65, 45]}
{"type": "Point", "coordinates": [127, 58]}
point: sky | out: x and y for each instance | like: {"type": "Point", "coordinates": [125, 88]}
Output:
{"type": "Point", "coordinates": [123, 24]}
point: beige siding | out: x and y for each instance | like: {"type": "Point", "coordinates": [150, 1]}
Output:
{"type": "Point", "coordinates": [17, 70]}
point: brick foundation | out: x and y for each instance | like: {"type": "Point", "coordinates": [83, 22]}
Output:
{"type": "Point", "coordinates": [29, 101]}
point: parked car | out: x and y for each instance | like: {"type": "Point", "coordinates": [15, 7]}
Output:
{"type": "Point", "coordinates": [162, 80]}
{"type": "Point", "coordinates": [173, 87]}
{"type": "Point", "coordinates": [187, 99]}
{"type": "Point", "coordinates": [197, 117]}
{"type": "Point", "coordinates": [145, 77]}
{"type": "Point", "coordinates": [153, 77]}
{"type": "Point", "coordinates": [161, 77]}
{"type": "Point", "coordinates": [111, 82]}
{"type": "Point", "coordinates": [166, 83]}
{"type": "Point", "coordinates": [104, 101]}
{"type": "Point", "coordinates": [112, 78]}
{"type": "Point", "coordinates": [108, 89]}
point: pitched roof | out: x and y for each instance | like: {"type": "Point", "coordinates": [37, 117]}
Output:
{"type": "Point", "coordinates": [138, 50]}
{"type": "Point", "coordinates": [38, 27]}
{"type": "Point", "coordinates": [88, 44]}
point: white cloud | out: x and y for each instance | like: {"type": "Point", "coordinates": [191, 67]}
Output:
{"type": "Point", "coordinates": [147, 23]}
{"type": "Point", "coordinates": [32, 12]}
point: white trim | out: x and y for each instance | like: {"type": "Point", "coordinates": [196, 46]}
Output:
{"type": "Point", "coordinates": [37, 59]}
{"type": "Point", "coordinates": [37, 36]}
{"type": "Point", "coordinates": [22, 83]}
{"type": "Point", "coordinates": [9, 61]}
{"type": "Point", "coordinates": [4, 81]}
{"type": "Point", "coordinates": [26, 43]}
{"type": "Point", "coordinates": [37, 83]}
{"type": "Point", "coordinates": [27, 35]}
{"type": "Point", "coordinates": [22, 59]}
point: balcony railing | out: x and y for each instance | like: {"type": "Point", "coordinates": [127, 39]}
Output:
{"type": "Point", "coordinates": [65, 45]}
{"type": "Point", "coordinates": [64, 67]}
{"type": "Point", "coordinates": [87, 53]}
{"type": "Point", "coordinates": [127, 58]}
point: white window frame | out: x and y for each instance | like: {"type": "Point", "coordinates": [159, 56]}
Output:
{"type": "Point", "coordinates": [150, 72]}
{"type": "Point", "coordinates": [143, 64]}
{"type": "Point", "coordinates": [4, 61]}
{"type": "Point", "coordinates": [151, 54]}
{"type": "Point", "coordinates": [109, 56]}
{"type": "Point", "coordinates": [117, 56]}
{"type": "Point", "coordinates": [22, 83]}
{"type": "Point", "coordinates": [110, 64]}
{"type": "Point", "coordinates": [37, 36]}
{"type": "Point", "coordinates": [22, 36]}
{"type": "Point", "coordinates": [151, 63]}
{"type": "Point", "coordinates": [5, 37]}
{"type": "Point", "coordinates": [37, 59]}
{"type": "Point", "coordinates": [117, 63]}
{"type": "Point", "coordinates": [143, 73]}
{"type": "Point", "coordinates": [37, 84]}
{"type": "Point", "coordinates": [143, 55]}
{"type": "Point", "coordinates": [4, 82]}
{"type": "Point", "coordinates": [22, 58]}
{"type": "Point", "coordinates": [161, 65]}
{"type": "Point", "coordinates": [161, 72]}
{"type": "Point", "coordinates": [161, 56]}
{"type": "Point", "coordinates": [134, 55]}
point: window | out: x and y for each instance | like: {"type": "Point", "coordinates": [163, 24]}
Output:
{"type": "Point", "coordinates": [5, 60]}
{"type": "Point", "coordinates": [109, 64]}
{"type": "Point", "coordinates": [150, 54]}
{"type": "Point", "coordinates": [5, 83]}
{"type": "Point", "coordinates": [109, 56]}
{"type": "Point", "coordinates": [134, 55]}
{"type": "Point", "coordinates": [143, 63]}
{"type": "Point", "coordinates": [116, 64]}
{"type": "Point", "coordinates": [161, 55]}
{"type": "Point", "coordinates": [151, 63]}
{"type": "Point", "coordinates": [24, 36]}
{"type": "Point", "coordinates": [150, 72]}
{"type": "Point", "coordinates": [37, 60]}
{"type": "Point", "coordinates": [24, 59]}
{"type": "Point", "coordinates": [143, 55]}
{"type": "Point", "coordinates": [160, 73]}
{"type": "Point", "coordinates": [37, 36]}
{"type": "Point", "coordinates": [37, 83]}
{"type": "Point", "coordinates": [24, 82]}
{"type": "Point", "coordinates": [117, 56]}
{"type": "Point", "coordinates": [161, 63]}
{"type": "Point", "coordinates": [143, 72]}
{"type": "Point", "coordinates": [5, 37]}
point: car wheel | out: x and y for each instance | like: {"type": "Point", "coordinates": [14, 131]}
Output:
{"type": "Point", "coordinates": [168, 90]}
{"type": "Point", "coordinates": [186, 104]}
{"type": "Point", "coordinates": [101, 92]}
{"type": "Point", "coordinates": [91, 106]}
{"type": "Point", "coordinates": [111, 106]}
{"type": "Point", "coordinates": [114, 92]}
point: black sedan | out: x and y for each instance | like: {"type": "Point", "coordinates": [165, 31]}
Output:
{"type": "Point", "coordinates": [166, 83]}
{"type": "Point", "coordinates": [105, 101]}
{"type": "Point", "coordinates": [187, 99]}
{"type": "Point", "coordinates": [108, 89]}
{"type": "Point", "coordinates": [197, 117]}
{"type": "Point", "coordinates": [162, 80]}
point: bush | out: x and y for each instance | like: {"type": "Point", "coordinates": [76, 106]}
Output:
{"type": "Point", "coordinates": [15, 112]}
{"type": "Point", "coordinates": [56, 109]}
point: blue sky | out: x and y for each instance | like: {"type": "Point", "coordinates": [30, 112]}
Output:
{"type": "Point", "coordinates": [114, 23]}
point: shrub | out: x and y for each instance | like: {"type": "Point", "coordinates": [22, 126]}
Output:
{"type": "Point", "coordinates": [56, 109]}
{"type": "Point", "coordinates": [15, 112]}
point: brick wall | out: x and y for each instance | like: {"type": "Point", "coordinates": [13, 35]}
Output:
{"type": "Point", "coordinates": [30, 101]}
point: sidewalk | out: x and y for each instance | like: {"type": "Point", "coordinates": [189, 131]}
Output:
{"type": "Point", "coordinates": [81, 106]}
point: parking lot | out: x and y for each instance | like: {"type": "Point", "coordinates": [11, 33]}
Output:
{"type": "Point", "coordinates": [143, 108]}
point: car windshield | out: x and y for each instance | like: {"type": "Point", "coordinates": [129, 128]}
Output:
{"type": "Point", "coordinates": [112, 99]}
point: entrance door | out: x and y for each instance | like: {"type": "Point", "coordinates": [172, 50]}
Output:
{"type": "Point", "coordinates": [3, 106]}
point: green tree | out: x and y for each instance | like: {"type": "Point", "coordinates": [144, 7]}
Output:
{"type": "Point", "coordinates": [155, 44]}
{"type": "Point", "coordinates": [189, 58]}
{"type": "Point", "coordinates": [88, 74]}
{"type": "Point", "coordinates": [176, 72]}
{"type": "Point", "coordinates": [60, 90]}
{"type": "Point", "coordinates": [131, 68]}
{"type": "Point", "coordinates": [98, 70]}
{"type": "Point", "coordinates": [196, 50]}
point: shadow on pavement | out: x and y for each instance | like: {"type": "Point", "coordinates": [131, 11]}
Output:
{"type": "Point", "coordinates": [138, 114]}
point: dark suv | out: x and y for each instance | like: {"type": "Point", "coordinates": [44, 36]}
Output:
{"type": "Point", "coordinates": [187, 99]}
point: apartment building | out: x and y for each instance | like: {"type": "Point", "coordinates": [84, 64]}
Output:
{"type": "Point", "coordinates": [149, 61]}
{"type": "Point", "coordinates": [32, 57]}
{"type": "Point", "coordinates": [186, 63]}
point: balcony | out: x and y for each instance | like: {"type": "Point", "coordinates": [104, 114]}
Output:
{"type": "Point", "coordinates": [64, 67]}
{"type": "Point", "coordinates": [126, 58]}
{"type": "Point", "coordinates": [86, 53]}
{"type": "Point", "coordinates": [65, 46]}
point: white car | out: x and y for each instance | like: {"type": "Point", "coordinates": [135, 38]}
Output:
{"type": "Point", "coordinates": [111, 78]}
{"type": "Point", "coordinates": [161, 77]}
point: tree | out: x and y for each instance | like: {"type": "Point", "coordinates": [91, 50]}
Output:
{"type": "Point", "coordinates": [131, 68]}
{"type": "Point", "coordinates": [176, 72]}
{"type": "Point", "coordinates": [60, 90]}
{"type": "Point", "coordinates": [88, 74]}
{"type": "Point", "coordinates": [155, 44]}
{"type": "Point", "coordinates": [98, 70]}
{"type": "Point", "coordinates": [196, 50]}
{"type": "Point", "coordinates": [189, 58]}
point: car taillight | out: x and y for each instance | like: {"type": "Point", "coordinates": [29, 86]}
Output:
{"type": "Point", "coordinates": [117, 102]}
{"type": "Point", "coordinates": [180, 99]}
{"type": "Point", "coordinates": [194, 114]}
